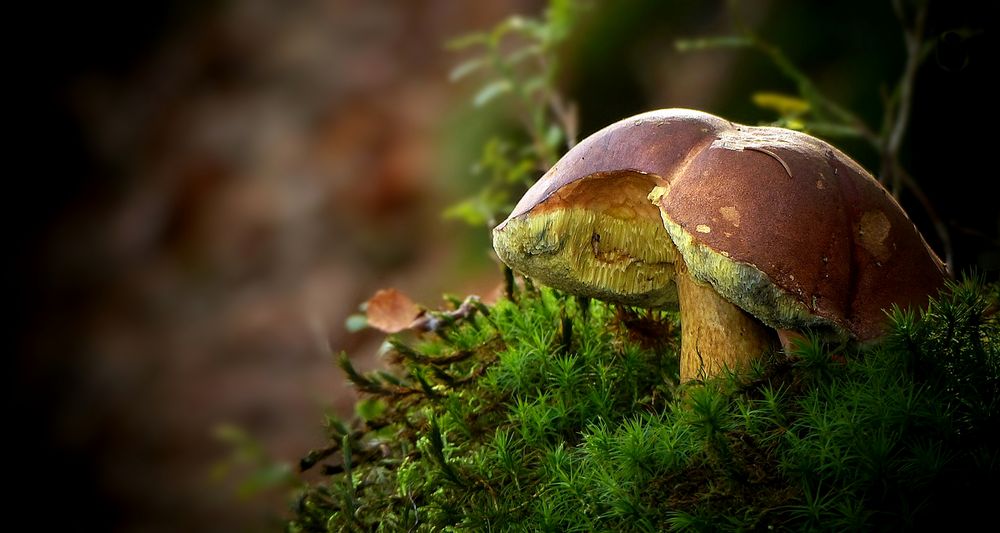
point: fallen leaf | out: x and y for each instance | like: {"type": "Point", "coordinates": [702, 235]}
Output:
{"type": "Point", "coordinates": [391, 311]}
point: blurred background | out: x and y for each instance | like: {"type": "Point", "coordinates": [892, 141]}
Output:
{"type": "Point", "coordinates": [209, 189]}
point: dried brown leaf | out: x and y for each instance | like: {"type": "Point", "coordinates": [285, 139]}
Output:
{"type": "Point", "coordinates": [391, 311]}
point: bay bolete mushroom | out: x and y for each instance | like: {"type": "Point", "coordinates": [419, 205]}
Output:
{"type": "Point", "coordinates": [740, 227]}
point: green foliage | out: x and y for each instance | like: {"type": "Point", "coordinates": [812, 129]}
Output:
{"type": "Point", "coordinates": [517, 61]}
{"type": "Point", "coordinates": [557, 414]}
{"type": "Point", "coordinates": [499, 405]}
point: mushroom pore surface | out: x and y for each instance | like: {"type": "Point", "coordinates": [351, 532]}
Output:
{"type": "Point", "coordinates": [596, 237]}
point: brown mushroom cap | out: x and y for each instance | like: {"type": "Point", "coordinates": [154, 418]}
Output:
{"type": "Point", "coordinates": [796, 233]}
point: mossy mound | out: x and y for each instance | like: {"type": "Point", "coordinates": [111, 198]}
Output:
{"type": "Point", "coordinates": [549, 413]}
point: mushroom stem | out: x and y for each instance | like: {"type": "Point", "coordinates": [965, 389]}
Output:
{"type": "Point", "coordinates": [715, 334]}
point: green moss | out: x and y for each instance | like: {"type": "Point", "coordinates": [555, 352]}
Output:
{"type": "Point", "coordinates": [559, 414]}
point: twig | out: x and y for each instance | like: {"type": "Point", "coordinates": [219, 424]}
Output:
{"type": "Point", "coordinates": [565, 113]}
{"type": "Point", "coordinates": [435, 321]}
{"type": "Point", "coordinates": [939, 226]}
{"type": "Point", "coordinates": [912, 38]}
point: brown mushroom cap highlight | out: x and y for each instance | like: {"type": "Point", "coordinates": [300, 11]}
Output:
{"type": "Point", "coordinates": [755, 221]}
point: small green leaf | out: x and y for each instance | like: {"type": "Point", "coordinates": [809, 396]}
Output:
{"type": "Point", "coordinates": [534, 84]}
{"type": "Point", "coordinates": [465, 41]}
{"type": "Point", "coordinates": [490, 91]}
{"type": "Point", "coordinates": [467, 67]}
{"type": "Point", "coordinates": [515, 23]}
{"type": "Point", "coordinates": [265, 478]}
{"type": "Point", "coordinates": [522, 172]}
{"type": "Point", "coordinates": [785, 105]}
{"type": "Point", "coordinates": [525, 52]}
{"type": "Point", "coordinates": [554, 136]}
{"type": "Point", "coordinates": [470, 211]}
{"type": "Point", "coordinates": [559, 19]}
{"type": "Point", "coordinates": [232, 434]}
{"type": "Point", "coordinates": [370, 408]}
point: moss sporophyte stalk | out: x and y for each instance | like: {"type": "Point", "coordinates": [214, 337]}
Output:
{"type": "Point", "coordinates": [552, 412]}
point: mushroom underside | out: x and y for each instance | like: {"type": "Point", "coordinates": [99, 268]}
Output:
{"type": "Point", "coordinates": [595, 238]}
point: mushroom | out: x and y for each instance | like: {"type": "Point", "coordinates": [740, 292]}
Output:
{"type": "Point", "coordinates": [746, 230]}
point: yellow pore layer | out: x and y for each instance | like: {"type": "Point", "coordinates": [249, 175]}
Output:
{"type": "Point", "coordinates": [616, 254]}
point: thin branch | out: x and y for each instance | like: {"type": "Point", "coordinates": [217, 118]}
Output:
{"type": "Point", "coordinates": [939, 226]}
{"type": "Point", "coordinates": [566, 114]}
{"type": "Point", "coordinates": [912, 37]}
{"type": "Point", "coordinates": [435, 321]}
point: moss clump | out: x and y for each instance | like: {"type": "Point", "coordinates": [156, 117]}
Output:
{"type": "Point", "coordinates": [556, 414]}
